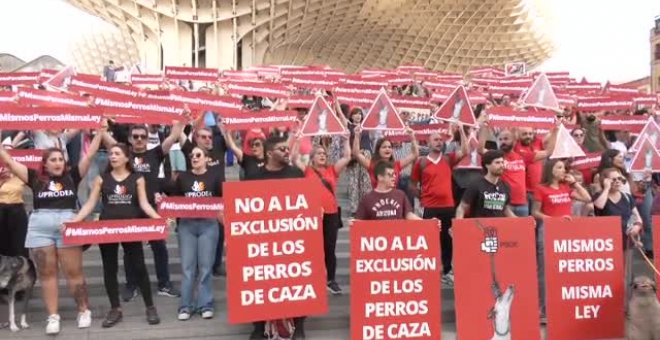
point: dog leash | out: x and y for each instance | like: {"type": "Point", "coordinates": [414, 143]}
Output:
{"type": "Point", "coordinates": [638, 245]}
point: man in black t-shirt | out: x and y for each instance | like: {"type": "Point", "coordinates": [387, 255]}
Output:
{"type": "Point", "coordinates": [490, 196]}
{"type": "Point", "coordinates": [278, 166]}
{"type": "Point", "coordinates": [148, 162]}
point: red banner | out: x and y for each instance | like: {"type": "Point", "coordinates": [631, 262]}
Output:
{"type": "Point", "coordinates": [190, 207]}
{"type": "Point", "coordinates": [395, 280]}
{"type": "Point", "coordinates": [40, 118]}
{"type": "Point", "coordinates": [146, 79]}
{"type": "Point", "coordinates": [114, 231]}
{"type": "Point", "coordinates": [206, 102]}
{"type": "Point", "coordinates": [604, 104]}
{"type": "Point", "coordinates": [655, 230]}
{"type": "Point", "coordinates": [31, 158]}
{"type": "Point", "coordinates": [584, 273]}
{"type": "Point", "coordinates": [191, 73]}
{"type": "Point", "coordinates": [269, 90]}
{"type": "Point", "coordinates": [590, 161]}
{"type": "Point", "coordinates": [95, 86]}
{"type": "Point", "coordinates": [18, 78]}
{"type": "Point", "coordinates": [162, 111]}
{"type": "Point", "coordinates": [273, 231]}
{"type": "Point", "coordinates": [27, 96]}
{"type": "Point", "coordinates": [422, 132]}
{"type": "Point", "coordinates": [496, 287]}
{"type": "Point", "coordinates": [245, 120]}
{"type": "Point", "coordinates": [8, 97]}
{"type": "Point", "coordinates": [504, 116]}
{"type": "Point", "coordinates": [300, 101]}
{"type": "Point", "coordinates": [634, 124]}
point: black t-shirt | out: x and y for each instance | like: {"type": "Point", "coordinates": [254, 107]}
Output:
{"type": "Point", "coordinates": [487, 199]}
{"type": "Point", "coordinates": [624, 208]}
{"type": "Point", "coordinates": [120, 198]}
{"type": "Point", "coordinates": [55, 192]}
{"type": "Point", "coordinates": [208, 184]}
{"type": "Point", "coordinates": [216, 156]}
{"type": "Point", "coordinates": [251, 164]}
{"type": "Point", "coordinates": [148, 165]}
{"type": "Point", "coordinates": [286, 172]}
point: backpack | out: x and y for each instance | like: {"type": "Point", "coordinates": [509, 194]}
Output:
{"type": "Point", "coordinates": [280, 329]}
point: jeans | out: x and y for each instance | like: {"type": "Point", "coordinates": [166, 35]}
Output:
{"type": "Point", "coordinates": [444, 215]}
{"type": "Point", "coordinates": [404, 185]}
{"type": "Point", "coordinates": [134, 253]}
{"type": "Point", "coordinates": [645, 212]}
{"type": "Point", "coordinates": [198, 239]}
{"type": "Point", "coordinates": [520, 210]}
{"type": "Point", "coordinates": [221, 244]}
{"type": "Point", "coordinates": [330, 230]}
{"type": "Point", "coordinates": [540, 263]}
{"type": "Point", "coordinates": [96, 168]}
{"type": "Point", "coordinates": [161, 262]}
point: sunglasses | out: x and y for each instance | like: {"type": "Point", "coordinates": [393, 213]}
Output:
{"type": "Point", "coordinates": [195, 155]}
{"type": "Point", "coordinates": [254, 145]}
{"type": "Point", "coordinates": [137, 137]}
{"type": "Point", "coordinates": [620, 179]}
{"type": "Point", "coordinates": [205, 136]}
{"type": "Point", "coordinates": [283, 149]}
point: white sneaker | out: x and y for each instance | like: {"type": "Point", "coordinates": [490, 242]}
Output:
{"type": "Point", "coordinates": [207, 314]}
{"type": "Point", "coordinates": [85, 319]}
{"type": "Point", "coordinates": [53, 326]}
{"type": "Point", "coordinates": [184, 316]}
{"type": "Point", "coordinates": [448, 280]}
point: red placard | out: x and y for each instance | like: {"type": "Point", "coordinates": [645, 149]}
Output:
{"type": "Point", "coordinates": [496, 288]}
{"type": "Point", "coordinates": [27, 96]}
{"type": "Point", "coordinates": [113, 231]}
{"type": "Point", "coordinates": [163, 111]}
{"type": "Point", "coordinates": [39, 118]}
{"type": "Point", "coordinates": [590, 161]}
{"type": "Point", "coordinates": [262, 89]}
{"type": "Point", "coordinates": [191, 73]}
{"type": "Point", "coordinates": [190, 207]}
{"type": "Point", "coordinates": [634, 124]}
{"type": "Point", "coordinates": [656, 245]}
{"type": "Point", "coordinates": [31, 158]}
{"type": "Point", "coordinates": [273, 231]}
{"type": "Point", "coordinates": [390, 303]}
{"type": "Point", "coordinates": [584, 278]}
{"type": "Point", "coordinates": [206, 102]}
{"type": "Point", "coordinates": [245, 120]}
{"type": "Point", "coordinates": [95, 86]}
{"type": "Point", "coordinates": [422, 132]}
{"type": "Point", "coordinates": [18, 78]}
{"type": "Point", "coordinates": [8, 97]}
{"type": "Point", "coordinates": [504, 116]}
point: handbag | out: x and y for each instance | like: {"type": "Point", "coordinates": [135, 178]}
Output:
{"type": "Point", "coordinates": [328, 186]}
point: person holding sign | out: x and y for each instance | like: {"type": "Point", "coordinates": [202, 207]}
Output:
{"type": "Point", "coordinates": [553, 197]}
{"type": "Point", "coordinates": [249, 162]}
{"type": "Point", "coordinates": [55, 200]}
{"type": "Point", "coordinates": [198, 237]}
{"type": "Point", "coordinates": [124, 197]}
{"type": "Point", "coordinates": [490, 197]}
{"type": "Point", "coordinates": [328, 175]}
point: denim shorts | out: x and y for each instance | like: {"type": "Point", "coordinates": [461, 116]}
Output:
{"type": "Point", "coordinates": [177, 160]}
{"type": "Point", "coordinates": [44, 227]}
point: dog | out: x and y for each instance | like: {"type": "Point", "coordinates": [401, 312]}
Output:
{"type": "Point", "coordinates": [501, 313]}
{"type": "Point", "coordinates": [643, 311]}
{"type": "Point", "coordinates": [17, 274]}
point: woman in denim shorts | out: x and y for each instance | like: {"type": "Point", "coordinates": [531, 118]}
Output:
{"type": "Point", "coordinates": [54, 189]}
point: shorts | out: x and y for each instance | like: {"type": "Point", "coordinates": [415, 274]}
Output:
{"type": "Point", "coordinates": [44, 228]}
{"type": "Point", "coordinates": [177, 161]}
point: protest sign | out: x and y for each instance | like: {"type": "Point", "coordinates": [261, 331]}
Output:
{"type": "Point", "coordinates": [589, 161]}
{"type": "Point", "coordinates": [31, 158]}
{"type": "Point", "coordinates": [382, 115]}
{"type": "Point", "coordinates": [18, 78]}
{"type": "Point", "coordinates": [472, 160]}
{"type": "Point", "coordinates": [27, 96]}
{"type": "Point", "coordinates": [321, 120]}
{"type": "Point", "coordinates": [647, 158]}
{"type": "Point", "coordinates": [191, 73]}
{"type": "Point", "coordinates": [96, 86]}
{"type": "Point", "coordinates": [422, 132]}
{"type": "Point", "coordinates": [541, 94]}
{"type": "Point", "coordinates": [113, 231]}
{"type": "Point", "coordinates": [584, 278]}
{"type": "Point", "coordinates": [457, 108]}
{"type": "Point", "coordinates": [655, 230]}
{"type": "Point", "coordinates": [246, 120]}
{"type": "Point", "coordinates": [273, 232]}
{"type": "Point", "coordinates": [506, 117]}
{"type": "Point", "coordinates": [39, 118]}
{"type": "Point", "coordinates": [190, 207]}
{"type": "Point", "coordinates": [516, 69]}
{"type": "Point", "coordinates": [496, 287]}
{"type": "Point", "coordinates": [650, 130]}
{"type": "Point", "coordinates": [8, 97]}
{"type": "Point", "coordinates": [634, 124]}
{"type": "Point", "coordinates": [261, 89]}
{"type": "Point", "coordinates": [395, 280]}
{"type": "Point", "coordinates": [565, 145]}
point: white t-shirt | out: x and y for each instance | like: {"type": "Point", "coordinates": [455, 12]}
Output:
{"type": "Point", "coordinates": [43, 140]}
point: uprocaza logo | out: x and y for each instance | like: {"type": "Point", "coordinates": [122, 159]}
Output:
{"type": "Point", "coordinates": [55, 186]}
{"type": "Point", "coordinates": [198, 186]}
{"type": "Point", "coordinates": [120, 189]}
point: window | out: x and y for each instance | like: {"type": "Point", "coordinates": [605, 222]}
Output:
{"type": "Point", "coordinates": [657, 51]}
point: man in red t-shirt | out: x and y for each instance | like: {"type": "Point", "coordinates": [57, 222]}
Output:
{"type": "Point", "coordinates": [531, 148]}
{"type": "Point", "coordinates": [434, 174]}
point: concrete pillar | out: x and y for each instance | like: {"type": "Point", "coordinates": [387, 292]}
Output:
{"type": "Point", "coordinates": [177, 44]}
{"type": "Point", "coordinates": [247, 51]}
{"type": "Point", "coordinates": [220, 49]}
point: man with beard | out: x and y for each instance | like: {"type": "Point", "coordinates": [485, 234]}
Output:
{"type": "Point", "coordinates": [434, 174]}
{"type": "Point", "coordinates": [491, 196]}
{"type": "Point", "coordinates": [533, 148]}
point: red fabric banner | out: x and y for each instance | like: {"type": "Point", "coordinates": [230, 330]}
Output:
{"type": "Point", "coordinates": [27, 96]}
{"type": "Point", "coordinates": [95, 86]}
{"type": "Point", "coordinates": [191, 73]}
{"type": "Point", "coordinates": [590, 161]}
{"type": "Point", "coordinates": [634, 124]}
{"type": "Point", "coordinates": [389, 302]}
{"type": "Point", "coordinates": [245, 120]}
{"type": "Point", "coordinates": [273, 232]}
{"type": "Point", "coordinates": [206, 102]}
{"type": "Point", "coordinates": [505, 116]}
{"type": "Point", "coordinates": [584, 273]}
{"type": "Point", "coordinates": [31, 158]}
{"type": "Point", "coordinates": [8, 97]}
{"type": "Point", "coordinates": [422, 132]}
{"type": "Point", "coordinates": [164, 111]}
{"type": "Point", "coordinates": [113, 231]}
{"type": "Point", "coordinates": [190, 207]}
{"type": "Point", "coordinates": [269, 90]}
{"type": "Point", "coordinates": [146, 79]}
{"type": "Point", "coordinates": [496, 287]}
{"type": "Point", "coordinates": [18, 78]}
{"type": "Point", "coordinates": [40, 118]}
{"type": "Point", "coordinates": [604, 104]}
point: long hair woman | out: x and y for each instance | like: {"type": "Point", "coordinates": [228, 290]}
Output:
{"type": "Point", "coordinates": [612, 158]}
{"type": "Point", "coordinates": [55, 201]}
{"type": "Point", "coordinates": [613, 201]}
{"type": "Point", "coordinates": [319, 169]}
{"type": "Point", "coordinates": [124, 197]}
{"type": "Point", "coordinates": [198, 238]}
{"type": "Point", "coordinates": [359, 183]}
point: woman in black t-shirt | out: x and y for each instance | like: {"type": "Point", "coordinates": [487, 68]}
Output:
{"type": "Point", "coordinates": [55, 201]}
{"type": "Point", "coordinates": [249, 163]}
{"type": "Point", "coordinates": [124, 197]}
{"type": "Point", "coordinates": [198, 237]}
{"type": "Point", "coordinates": [613, 201]}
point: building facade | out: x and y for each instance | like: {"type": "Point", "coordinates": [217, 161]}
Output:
{"type": "Point", "coordinates": [451, 35]}
{"type": "Point", "coordinates": [655, 56]}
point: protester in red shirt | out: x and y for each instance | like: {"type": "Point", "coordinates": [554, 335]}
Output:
{"type": "Point", "coordinates": [533, 147]}
{"type": "Point", "coordinates": [553, 197]}
{"type": "Point", "coordinates": [327, 176]}
{"type": "Point", "coordinates": [383, 152]}
{"type": "Point", "coordinates": [434, 174]}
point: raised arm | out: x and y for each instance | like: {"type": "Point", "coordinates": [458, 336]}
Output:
{"type": "Point", "coordinates": [19, 170]}
{"type": "Point", "coordinates": [85, 161]}
{"type": "Point", "coordinates": [173, 137]}
{"type": "Point", "coordinates": [18, 138]}
{"type": "Point", "coordinates": [465, 145]}
{"type": "Point", "coordinates": [414, 149]}
{"type": "Point", "coordinates": [144, 202]}
{"type": "Point", "coordinates": [359, 157]}
{"type": "Point", "coordinates": [93, 198]}
{"type": "Point", "coordinates": [341, 163]}
{"type": "Point", "coordinates": [295, 153]}
{"type": "Point", "coordinates": [231, 143]}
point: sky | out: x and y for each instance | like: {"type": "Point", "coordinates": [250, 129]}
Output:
{"type": "Point", "coordinates": [597, 39]}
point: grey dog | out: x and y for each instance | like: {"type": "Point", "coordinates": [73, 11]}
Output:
{"type": "Point", "coordinates": [17, 274]}
{"type": "Point", "coordinates": [643, 311]}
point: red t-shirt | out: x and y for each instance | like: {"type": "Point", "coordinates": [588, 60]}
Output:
{"type": "Point", "coordinates": [436, 181]}
{"type": "Point", "coordinates": [554, 202]}
{"type": "Point", "coordinates": [534, 168]}
{"type": "Point", "coordinates": [515, 176]}
{"type": "Point", "coordinates": [372, 173]}
{"type": "Point", "coordinates": [328, 199]}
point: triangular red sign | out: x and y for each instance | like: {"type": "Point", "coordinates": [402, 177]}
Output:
{"type": "Point", "coordinates": [457, 108]}
{"type": "Point", "coordinates": [382, 115]}
{"type": "Point", "coordinates": [540, 94]}
{"type": "Point", "coordinates": [473, 159]}
{"type": "Point", "coordinates": [646, 158]}
{"type": "Point", "coordinates": [650, 130]}
{"type": "Point", "coordinates": [566, 146]}
{"type": "Point", "coordinates": [322, 120]}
